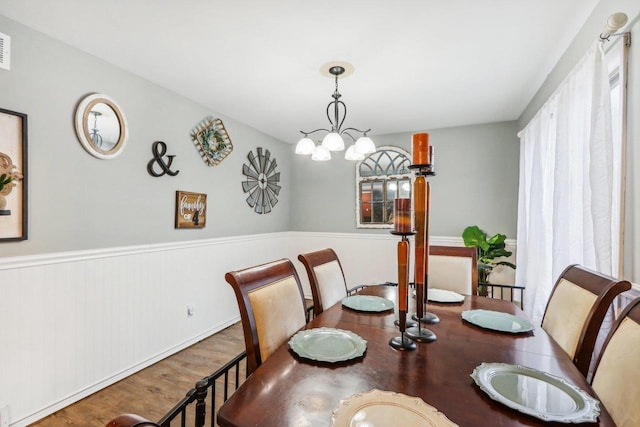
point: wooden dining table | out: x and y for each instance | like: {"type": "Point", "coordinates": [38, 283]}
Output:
{"type": "Point", "coordinates": [287, 390]}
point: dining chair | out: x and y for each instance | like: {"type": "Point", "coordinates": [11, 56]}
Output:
{"type": "Point", "coordinates": [454, 268]}
{"type": "Point", "coordinates": [272, 307]}
{"type": "Point", "coordinates": [616, 378]}
{"type": "Point", "coordinates": [326, 277]}
{"type": "Point", "coordinates": [576, 308]}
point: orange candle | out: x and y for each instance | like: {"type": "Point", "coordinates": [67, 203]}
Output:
{"type": "Point", "coordinates": [420, 147]}
{"type": "Point", "coordinates": [402, 215]}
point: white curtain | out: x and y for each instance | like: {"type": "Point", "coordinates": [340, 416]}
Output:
{"type": "Point", "coordinates": [565, 193]}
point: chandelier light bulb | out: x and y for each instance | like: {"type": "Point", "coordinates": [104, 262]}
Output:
{"type": "Point", "coordinates": [321, 154]}
{"type": "Point", "coordinates": [333, 142]}
{"type": "Point", "coordinates": [305, 146]}
{"type": "Point", "coordinates": [365, 145]}
{"type": "Point", "coordinates": [353, 154]}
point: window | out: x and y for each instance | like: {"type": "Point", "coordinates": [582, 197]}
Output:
{"type": "Point", "coordinates": [381, 177]}
{"type": "Point", "coordinates": [616, 57]}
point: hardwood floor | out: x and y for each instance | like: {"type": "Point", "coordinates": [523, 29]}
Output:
{"type": "Point", "coordinates": [153, 391]}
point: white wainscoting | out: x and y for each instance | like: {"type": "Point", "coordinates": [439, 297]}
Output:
{"type": "Point", "coordinates": [73, 323]}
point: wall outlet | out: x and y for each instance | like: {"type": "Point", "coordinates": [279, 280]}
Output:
{"type": "Point", "coordinates": [191, 310]}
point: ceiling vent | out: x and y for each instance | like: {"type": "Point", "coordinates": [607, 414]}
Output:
{"type": "Point", "coordinates": [5, 51]}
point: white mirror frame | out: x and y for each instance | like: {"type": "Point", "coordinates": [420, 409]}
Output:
{"type": "Point", "coordinates": [359, 179]}
{"type": "Point", "coordinates": [83, 132]}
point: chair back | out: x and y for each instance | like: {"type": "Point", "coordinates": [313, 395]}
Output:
{"type": "Point", "coordinates": [453, 268]}
{"type": "Point", "coordinates": [576, 308]}
{"type": "Point", "coordinates": [328, 285]}
{"type": "Point", "coordinates": [616, 379]}
{"type": "Point", "coordinates": [272, 307]}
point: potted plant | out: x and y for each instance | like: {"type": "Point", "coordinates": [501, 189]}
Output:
{"type": "Point", "coordinates": [4, 181]}
{"type": "Point", "coordinates": [489, 248]}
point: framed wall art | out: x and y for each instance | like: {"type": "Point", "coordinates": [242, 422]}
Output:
{"type": "Point", "coordinates": [13, 176]}
{"type": "Point", "coordinates": [191, 210]}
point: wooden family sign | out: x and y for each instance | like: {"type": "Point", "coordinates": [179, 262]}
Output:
{"type": "Point", "coordinates": [191, 210]}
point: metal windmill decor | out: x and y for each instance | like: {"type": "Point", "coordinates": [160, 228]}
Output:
{"type": "Point", "coordinates": [212, 140]}
{"type": "Point", "coordinates": [261, 181]}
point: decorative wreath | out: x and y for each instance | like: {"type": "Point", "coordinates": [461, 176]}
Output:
{"type": "Point", "coordinates": [212, 140]}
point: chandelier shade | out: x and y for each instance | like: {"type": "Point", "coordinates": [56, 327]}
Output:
{"type": "Point", "coordinates": [333, 142]}
{"type": "Point", "coordinates": [334, 138]}
{"type": "Point", "coordinates": [353, 154]}
{"type": "Point", "coordinates": [305, 146]}
{"type": "Point", "coordinates": [365, 145]}
{"type": "Point", "coordinates": [321, 154]}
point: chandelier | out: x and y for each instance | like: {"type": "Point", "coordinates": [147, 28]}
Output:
{"type": "Point", "coordinates": [333, 140]}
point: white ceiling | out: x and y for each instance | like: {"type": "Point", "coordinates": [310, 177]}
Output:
{"type": "Point", "coordinates": [419, 64]}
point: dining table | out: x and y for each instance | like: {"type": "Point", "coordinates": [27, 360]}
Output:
{"type": "Point", "coordinates": [288, 390]}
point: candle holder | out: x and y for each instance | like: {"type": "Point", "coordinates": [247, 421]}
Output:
{"type": "Point", "coordinates": [422, 202]}
{"type": "Point", "coordinates": [423, 165]}
{"type": "Point", "coordinates": [408, 323]}
{"type": "Point", "coordinates": [403, 342]}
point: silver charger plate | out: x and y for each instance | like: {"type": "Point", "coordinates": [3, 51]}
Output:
{"type": "Point", "coordinates": [368, 303]}
{"type": "Point", "coordinates": [378, 408]}
{"type": "Point", "coordinates": [497, 321]}
{"type": "Point", "coordinates": [327, 344]}
{"type": "Point", "coordinates": [536, 393]}
{"type": "Point", "coordinates": [443, 295]}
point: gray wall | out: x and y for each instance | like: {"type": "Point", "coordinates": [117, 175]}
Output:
{"type": "Point", "coordinates": [587, 35]}
{"type": "Point", "coordinates": [476, 183]}
{"type": "Point", "coordinates": [79, 202]}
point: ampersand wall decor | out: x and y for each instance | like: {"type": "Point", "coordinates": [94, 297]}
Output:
{"type": "Point", "coordinates": [159, 149]}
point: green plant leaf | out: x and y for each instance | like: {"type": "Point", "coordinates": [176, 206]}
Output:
{"type": "Point", "coordinates": [497, 253]}
{"type": "Point", "coordinates": [497, 239]}
{"type": "Point", "coordinates": [474, 237]}
{"type": "Point", "coordinates": [507, 263]}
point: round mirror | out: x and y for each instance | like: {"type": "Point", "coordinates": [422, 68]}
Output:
{"type": "Point", "coordinates": [101, 126]}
